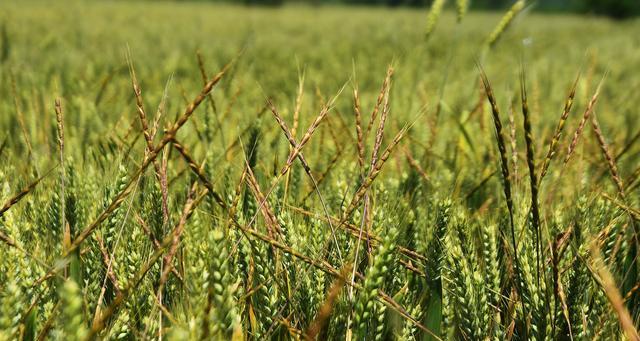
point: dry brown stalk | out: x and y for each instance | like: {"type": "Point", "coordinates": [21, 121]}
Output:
{"type": "Point", "coordinates": [375, 170]}
{"type": "Point", "coordinates": [514, 147]}
{"type": "Point", "coordinates": [142, 115]}
{"type": "Point", "coordinates": [160, 112]}
{"type": "Point", "coordinates": [611, 162]}
{"type": "Point", "coordinates": [273, 227]}
{"type": "Point", "coordinates": [356, 109]}
{"type": "Point", "coordinates": [196, 102]}
{"type": "Point", "coordinates": [175, 238]}
{"type": "Point", "coordinates": [583, 121]}
{"type": "Point", "coordinates": [7, 240]}
{"type": "Point", "coordinates": [305, 165]}
{"type": "Point", "coordinates": [312, 128]}
{"type": "Point", "coordinates": [416, 165]}
{"type": "Point", "coordinates": [60, 127]}
{"type": "Point", "coordinates": [193, 165]}
{"type": "Point", "coordinates": [106, 260]}
{"type": "Point", "coordinates": [608, 284]}
{"type": "Point", "coordinates": [155, 242]}
{"type": "Point", "coordinates": [298, 106]}
{"type": "Point", "coordinates": [296, 122]}
{"type": "Point", "coordinates": [161, 174]}
{"type": "Point", "coordinates": [16, 198]}
{"type": "Point", "coordinates": [324, 313]}
{"type": "Point", "coordinates": [383, 119]}
{"type": "Point", "coordinates": [381, 96]}
{"type": "Point", "coordinates": [553, 146]}
{"type": "Point", "coordinates": [288, 134]}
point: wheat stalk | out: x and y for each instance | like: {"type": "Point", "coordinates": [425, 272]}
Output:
{"type": "Point", "coordinates": [558, 132]}
{"type": "Point", "coordinates": [462, 6]}
{"type": "Point", "coordinates": [528, 137]}
{"type": "Point", "coordinates": [360, 135]}
{"type": "Point", "coordinates": [60, 128]}
{"type": "Point", "coordinates": [161, 173]}
{"type": "Point", "coordinates": [383, 119]}
{"type": "Point", "coordinates": [433, 16]}
{"type": "Point", "coordinates": [504, 23]}
{"type": "Point", "coordinates": [505, 177]}
{"type": "Point", "coordinates": [611, 162]}
{"type": "Point", "coordinates": [20, 195]}
{"type": "Point", "coordinates": [126, 190]}
{"type": "Point", "coordinates": [381, 96]}
{"type": "Point", "coordinates": [306, 167]}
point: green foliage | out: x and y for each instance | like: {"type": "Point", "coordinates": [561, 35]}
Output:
{"type": "Point", "coordinates": [436, 255]}
{"type": "Point", "coordinates": [369, 313]}
{"type": "Point", "coordinates": [72, 320]}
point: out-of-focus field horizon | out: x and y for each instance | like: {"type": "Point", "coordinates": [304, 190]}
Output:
{"type": "Point", "coordinates": [80, 46]}
{"type": "Point", "coordinates": [125, 214]}
{"type": "Point", "coordinates": [169, 33]}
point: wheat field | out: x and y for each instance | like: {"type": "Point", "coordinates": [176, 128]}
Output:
{"type": "Point", "coordinates": [197, 171]}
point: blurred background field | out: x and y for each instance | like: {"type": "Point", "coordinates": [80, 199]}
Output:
{"type": "Point", "coordinates": [77, 50]}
